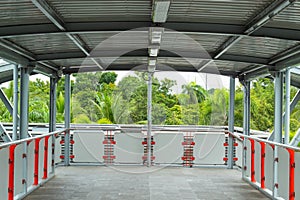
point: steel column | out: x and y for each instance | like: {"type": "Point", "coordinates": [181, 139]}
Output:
{"type": "Point", "coordinates": [246, 121]}
{"type": "Point", "coordinates": [52, 121]}
{"type": "Point", "coordinates": [15, 135]}
{"type": "Point", "coordinates": [287, 106]}
{"type": "Point", "coordinates": [24, 98]}
{"type": "Point", "coordinates": [67, 118]}
{"type": "Point", "coordinates": [149, 118]}
{"type": "Point", "coordinates": [230, 161]}
{"type": "Point", "coordinates": [277, 127]}
{"type": "Point", "coordinates": [292, 104]}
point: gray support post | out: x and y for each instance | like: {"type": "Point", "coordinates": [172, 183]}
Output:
{"type": "Point", "coordinates": [278, 107]}
{"type": "Point", "coordinates": [287, 106]}
{"type": "Point", "coordinates": [149, 118]}
{"type": "Point", "coordinates": [293, 104]}
{"type": "Point", "coordinates": [246, 121]}
{"type": "Point", "coordinates": [15, 135]}
{"type": "Point", "coordinates": [67, 118]}
{"type": "Point", "coordinates": [277, 127]}
{"type": "Point", "coordinates": [52, 120]}
{"type": "Point", "coordinates": [24, 98]}
{"type": "Point", "coordinates": [231, 123]}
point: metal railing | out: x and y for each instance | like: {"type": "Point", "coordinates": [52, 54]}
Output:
{"type": "Point", "coordinates": [26, 164]}
{"type": "Point", "coordinates": [272, 173]}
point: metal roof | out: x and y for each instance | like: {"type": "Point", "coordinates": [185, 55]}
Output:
{"type": "Point", "coordinates": [235, 38]}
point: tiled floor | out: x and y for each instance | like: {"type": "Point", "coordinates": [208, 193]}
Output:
{"type": "Point", "coordinates": [138, 183]}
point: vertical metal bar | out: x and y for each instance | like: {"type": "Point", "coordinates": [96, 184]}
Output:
{"type": "Point", "coordinates": [252, 169]}
{"type": "Point", "coordinates": [45, 170]}
{"type": "Point", "coordinates": [292, 174]}
{"type": "Point", "coordinates": [231, 123]}
{"type": "Point", "coordinates": [36, 161]}
{"type": "Point", "coordinates": [149, 118]}
{"type": "Point", "coordinates": [11, 173]}
{"type": "Point", "coordinates": [67, 118]}
{"type": "Point", "coordinates": [277, 127]}
{"type": "Point", "coordinates": [287, 106]}
{"type": "Point", "coordinates": [52, 121]}
{"type": "Point", "coordinates": [246, 123]}
{"type": "Point", "coordinates": [262, 165]}
{"type": "Point", "coordinates": [15, 135]}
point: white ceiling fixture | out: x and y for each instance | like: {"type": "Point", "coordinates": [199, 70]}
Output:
{"type": "Point", "coordinates": [155, 35]}
{"type": "Point", "coordinates": [160, 11]}
{"type": "Point", "coordinates": [151, 64]}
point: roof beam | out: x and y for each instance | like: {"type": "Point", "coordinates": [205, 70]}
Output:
{"type": "Point", "coordinates": [18, 54]}
{"type": "Point", "coordinates": [4, 68]}
{"type": "Point", "coordinates": [254, 24]}
{"type": "Point", "coordinates": [55, 18]}
{"type": "Point", "coordinates": [99, 27]}
{"type": "Point", "coordinates": [144, 53]}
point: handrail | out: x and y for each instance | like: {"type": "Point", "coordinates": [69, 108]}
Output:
{"type": "Point", "coordinates": [240, 136]}
{"type": "Point", "coordinates": [31, 138]}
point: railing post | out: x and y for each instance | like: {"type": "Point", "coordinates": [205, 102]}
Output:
{"type": "Point", "coordinates": [230, 161]}
{"type": "Point", "coordinates": [11, 175]}
{"type": "Point", "coordinates": [67, 119]}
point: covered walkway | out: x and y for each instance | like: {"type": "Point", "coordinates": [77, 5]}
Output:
{"type": "Point", "coordinates": [243, 40]}
{"type": "Point", "coordinates": [135, 183]}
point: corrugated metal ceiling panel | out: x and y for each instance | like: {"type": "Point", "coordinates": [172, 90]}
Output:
{"type": "Point", "coordinates": [20, 12]}
{"type": "Point", "coordinates": [216, 11]}
{"type": "Point", "coordinates": [191, 42]}
{"type": "Point", "coordinates": [260, 47]}
{"type": "Point", "coordinates": [104, 10]}
{"type": "Point", "coordinates": [124, 40]}
{"type": "Point", "coordinates": [42, 44]}
{"type": "Point", "coordinates": [289, 18]}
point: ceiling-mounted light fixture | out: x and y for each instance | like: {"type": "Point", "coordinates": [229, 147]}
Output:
{"type": "Point", "coordinates": [151, 64]}
{"type": "Point", "coordinates": [160, 11]}
{"type": "Point", "coordinates": [155, 35]}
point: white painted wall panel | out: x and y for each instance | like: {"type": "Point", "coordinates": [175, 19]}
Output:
{"type": "Point", "coordinates": [88, 146]}
{"type": "Point", "coordinates": [209, 148]}
{"type": "Point", "coordinates": [168, 148]}
{"type": "Point", "coordinates": [129, 148]}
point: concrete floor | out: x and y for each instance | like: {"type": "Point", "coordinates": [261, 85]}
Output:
{"type": "Point", "coordinates": [136, 183]}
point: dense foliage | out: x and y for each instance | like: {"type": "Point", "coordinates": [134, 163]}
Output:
{"type": "Point", "coordinates": [96, 98]}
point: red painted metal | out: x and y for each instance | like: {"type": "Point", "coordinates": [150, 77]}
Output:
{"type": "Point", "coordinates": [187, 158]}
{"type": "Point", "coordinates": [252, 160]}
{"type": "Point", "coordinates": [225, 159]}
{"type": "Point", "coordinates": [109, 142]}
{"type": "Point", "coordinates": [145, 158]}
{"type": "Point", "coordinates": [292, 174]}
{"type": "Point", "coordinates": [262, 164]}
{"type": "Point", "coordinates": [46, 157]}
{"type": "Point", "coordinates": [192, 143]}
{"type": "Point", "coordinates": [11, 175]}
{"type": "Point", "coordinates": [36, 161]}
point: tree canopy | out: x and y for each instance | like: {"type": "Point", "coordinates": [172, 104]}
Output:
{"type": "Point", "coordinates": [98, 98]}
